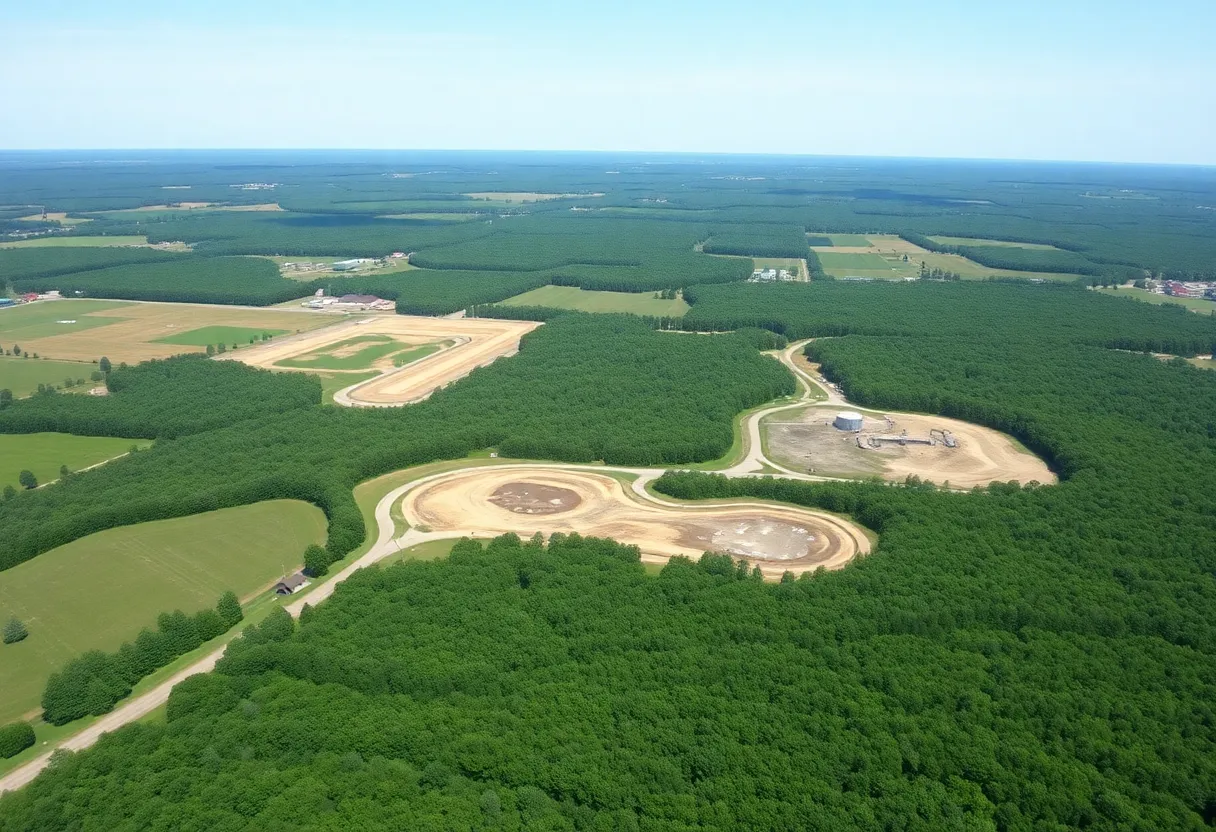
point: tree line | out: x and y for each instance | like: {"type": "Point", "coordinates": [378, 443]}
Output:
{"type": "Point", "coordinates": [96, 681]}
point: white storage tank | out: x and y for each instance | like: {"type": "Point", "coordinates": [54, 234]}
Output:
{"type": "Point", "coordinates": [849, 420]}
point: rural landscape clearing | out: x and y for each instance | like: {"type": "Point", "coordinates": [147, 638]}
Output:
{"type": "Point", "coordinates": [603, 491]}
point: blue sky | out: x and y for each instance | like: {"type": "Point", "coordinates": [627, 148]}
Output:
{"type": "Point", "coordinates": [1118, 80]}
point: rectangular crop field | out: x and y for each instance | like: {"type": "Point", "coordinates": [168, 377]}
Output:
{"type": "Point", "coordinates": [64, 241]}
{"type": "Point", "coordinates": [46, 319]}
{"type": "Point", "coordinates": [203, 336]}
{"type": "Point", "coordinates": [846, 264]}
{"type": "Point", "coordinates": [571, 297]}
{"type": "Point", "coordinates": [97, 592]}
{"type": "Point", "coordinates": [134, 332]}
{"type": "Point", "coordinates": [849, 240]}
{"type": "Point", "coordinates": [23, 375]}
{"type": "Point", "coordinates": [43, 453]}
{"type": "Point", "coordinates": [971, 241]}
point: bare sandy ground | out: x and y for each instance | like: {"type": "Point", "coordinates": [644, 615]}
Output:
{"type": "Point", "coordinates": [982, 455]}
{"type": "Point", "coordinates": [481, 342]}
{"type": "Point", "coordinates": [486, 502]}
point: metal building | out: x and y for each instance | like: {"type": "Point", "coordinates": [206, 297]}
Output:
{"type": "Point", "coordinates": [849, 420]}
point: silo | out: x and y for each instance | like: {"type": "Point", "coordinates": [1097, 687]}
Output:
{"type": "Point", "coordinates": [849, 420]}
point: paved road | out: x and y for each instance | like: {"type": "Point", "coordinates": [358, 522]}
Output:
{"type": "Point", "coordinates": [752, 464]}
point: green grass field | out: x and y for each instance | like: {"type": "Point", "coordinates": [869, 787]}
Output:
{"type": "Point", "coordinates": [378, 346]}
{"type": "Point", "coordinates": [100, 591]}
{"type": "Point", "coordinates": [23, 375]}
{"type": "Point", "coordinates": [1203, 363]}
{"type": "Point", "coordinates": [893, 267]}
{"type": "Point", "coordinates": [41, 320]}
{"type": "Point", "coordinates": [972, 241]}
{"type": "Point", "coordinates": [217, 335]}
{"type": "Point", "coordinates": [1204, 307]}
{"type": "Point", "coordinates": [73, 241]}
{"type": "Point", "coordinates": [848, 239]}
{"type": "Point", "coordinates": [333, 382]}
{"type": "Point", "coordinates": [571, 297]}
{"type": "Point", "coordinates": [855, 264]}
{"type": "Point", "coordinates": [44, 453]}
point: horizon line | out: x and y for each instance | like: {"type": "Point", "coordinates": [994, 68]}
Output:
{"type": "Point", "coordinates": [569, 152]}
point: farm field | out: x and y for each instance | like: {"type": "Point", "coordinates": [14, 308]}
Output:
{"type": "Point", "coordinates": [847, 240]}
{"type": "Point", "coordinates": [65, 241]}
{"type": "Point", "coordinates": [44, 453]}
{"type": "Point", "coordinates": [97, 592]}
{"type": "Point", "coordinates": [974, 241]}
{"type": "Point", "coordinates": [31, 322]}
{"type": "Point", "coordinates": [583, 300]}
{"type": "Point", "coordinates": [1200, 305]}
{"type": "Point", "coordinates": [884, 261]}
{"type": "Point", "coordinates": [203, 336]}
{"type": "Point", "coordinates": [479, 341]}
{"type": "Point", "coordinates": [60, 217]}
{"type": "Point", "coordinates": [23, 375]}
{"type": "Point", "coordinates": [133, 332]}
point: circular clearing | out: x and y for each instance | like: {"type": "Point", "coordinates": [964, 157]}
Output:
{"type": "Point", "coordinates": [493, 500]}
{"type": "Point", "coordinates": [757, 538]}
{"type": "Point", "coordinates": [534, 498]}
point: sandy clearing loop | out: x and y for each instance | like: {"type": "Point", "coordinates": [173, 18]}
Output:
{"type": "Point", "coordinates": [478, 342]}
{"type": "Point", "coordinates": [776, 538]}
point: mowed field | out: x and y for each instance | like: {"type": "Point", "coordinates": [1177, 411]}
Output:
{"type": "Point", "coordinates": [44, 453]}
{"type": "Point", "coordinates": [23, 375]}
{"type": "Point", "coordinates": [77, 241]}
{"type": "Point", "coordinates": [97, 592]}
{"type": "Point", "coordinates": [973, 241]}
{"type": "Point", "coordinates": [85, 330]}
{"type": "Point", "coordinates": [582, 300]}
{"type": "Point", "coordinates": [881, 257]}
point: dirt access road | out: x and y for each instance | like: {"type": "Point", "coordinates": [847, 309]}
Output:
{"type": "Point", "coordinates": [480, 341]}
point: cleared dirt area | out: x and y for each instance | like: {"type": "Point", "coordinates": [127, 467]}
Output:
{"type": "Point", "coordinates": [476, 343]}
{"type": "Point", "coordinates": [486, 502]}
{"type": "Point", "coordinates": [807, 441]}
{"type": "Point", "coordinates": [131, 331]}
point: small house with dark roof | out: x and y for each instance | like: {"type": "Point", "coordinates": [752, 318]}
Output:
{"type": "Point", "coordinates": [287, 586]}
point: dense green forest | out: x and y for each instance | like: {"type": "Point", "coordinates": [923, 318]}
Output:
{"type": "Point", "coordinates": [582, 388]}
{"type": "Point", "coordinates": [165, 399]}
{"type": "Point", "coordinates": [758, 241]}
